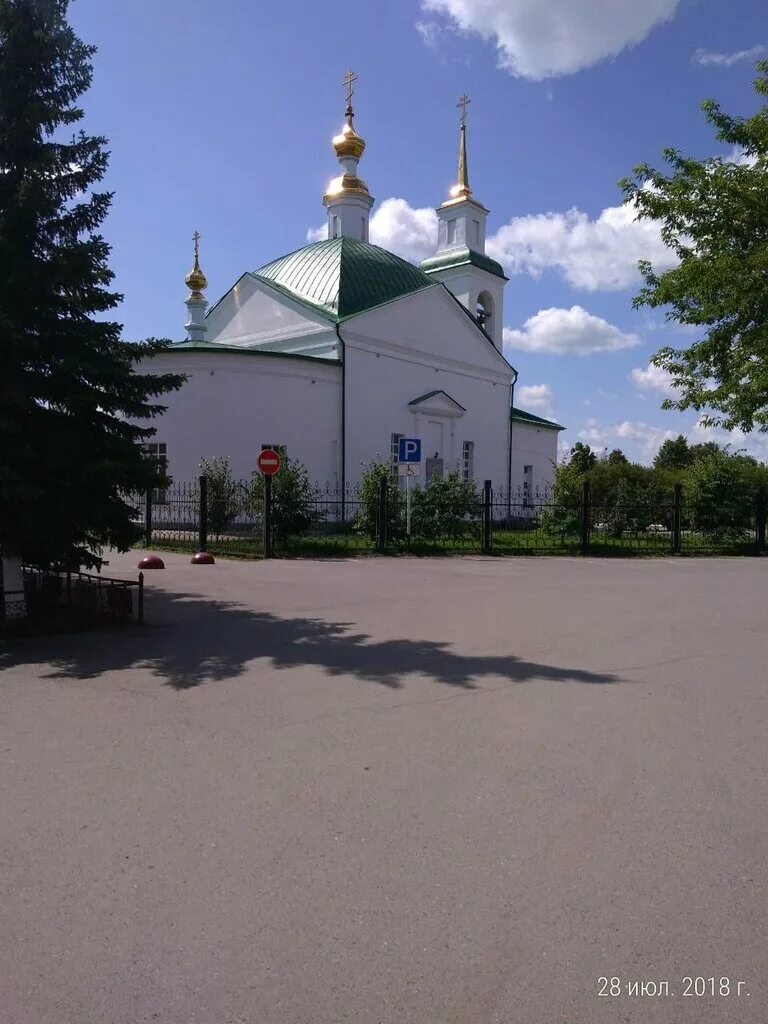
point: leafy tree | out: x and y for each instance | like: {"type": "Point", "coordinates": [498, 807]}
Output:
{"type": "Point", "coordinates": [224, 494]}
{"type": "Point", "coordinates": [69, 392]}
{"type": "Point", "coordinates": [582, 457]}
{"type": "Point", "coordinates": [563, 513]}
{"type": "Point", "coordinates": [294, 509]}
{"type": "Point", "coordinates": [442, 508]}
{"type": "Point", "coordinates": [714, 216]}
{"type": "Point", "coordinates": [617, 458]}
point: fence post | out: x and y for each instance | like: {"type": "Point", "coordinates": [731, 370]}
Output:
{"type": "Point", "coordinates": [202, 540]}
{"type": "Point", "coordinates": [486, 530]}
{"type": "Point", "coordinates": [381, 515]}
{"type": "Point", "coordinates": [586, 516]}
{"type": "Point", "coordinates": [148, 519]}
{"type": "Point", "coordinates": [677, 520]}
{"type": "Point", "coordinates": [140, 612]}
{"type": "Point", "coordinates": [762, 507]}
{"type": "Point", "coordinates": [268, 551]}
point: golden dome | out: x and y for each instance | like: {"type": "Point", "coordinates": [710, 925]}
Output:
{"type": "Point", "coordinates": [348, 142]}
{"type": "Point", "coordinates": [345, 183]}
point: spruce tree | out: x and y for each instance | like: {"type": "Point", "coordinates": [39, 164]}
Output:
{"type": "Point", "coordinates": [70, 452]}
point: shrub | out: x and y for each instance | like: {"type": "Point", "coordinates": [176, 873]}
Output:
{"type": "Point", "coordinates": [719, 497]}
{"type": "Point", "coordinates": [443, 507]}
{"type": "Point", "coordinates": [294, 509]}
{"type": "Point", "coordinates": [224, 494]}
{"type": "Point", "coordinates": [368, 502]}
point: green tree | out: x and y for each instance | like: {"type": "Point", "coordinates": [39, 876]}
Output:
{"type": "Point", "coordinates": [617, 458]}
{"type": "Point", "coordinates": [69, 391]}
{"type": "Point", "coordinates": [674, 453]}
{"type": "Point", "coordinates": [582, 458]}
{"type": "Point", "coordinates": [224, 494]}
{"type": "Point", "coordinates": [294, 509]}
{"type": "Point", "coordinates": [714, 216]}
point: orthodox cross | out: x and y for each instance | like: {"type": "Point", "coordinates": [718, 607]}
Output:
{"type": "Point", "coordinates": [196, 240]}
{"type": "Point", "coordinates": [349, 78]}
{"type": "Point", "coordinates": [463, 101]}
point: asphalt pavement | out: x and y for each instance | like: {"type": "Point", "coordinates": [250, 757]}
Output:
{"type": "Point", "coordinates": [393, 791]}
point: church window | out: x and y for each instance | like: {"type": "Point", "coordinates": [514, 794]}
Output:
{"type": "Point", "coordinates": [468, 460]}
{"type": "Point", "coordinates": [484, 312]}
{"type": "Point", "coordinates": [394, 453]}
{"type": "Point", "coordinates": [362, 228]}
{"type": "Point", "coordinates": [334, 226]}
{"type": "Point", "coordinates": [451, 232]}
{"type": "Point", "coordinates": [476, 232]}
{"type": "Point", "coordinates": [159, 455]}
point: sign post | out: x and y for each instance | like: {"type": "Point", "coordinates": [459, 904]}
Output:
{"type": "Point", "coordinates": [409, 459]}
{"type": "Point", "coordinates": [269, 464]}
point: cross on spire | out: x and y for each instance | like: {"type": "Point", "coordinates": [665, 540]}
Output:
{"type": "Point", "coordinates": [349, 78]}
{"type": "Point", "coordinates": [196, 239]}
{"type": "Point", "coordinates": [463, 102]}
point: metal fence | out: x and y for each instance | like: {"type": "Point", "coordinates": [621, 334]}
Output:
{"type": "Point", "coordinates": [60, 601]}
{"type": "Point", "coordinates": [238, 520]}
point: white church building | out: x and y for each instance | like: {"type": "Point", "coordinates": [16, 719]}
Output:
{"type": "Point", "coordinates": [335, 351]}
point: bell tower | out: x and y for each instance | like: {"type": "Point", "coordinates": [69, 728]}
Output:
{"type": "Point", "coordinates": [460, 262]}
{"type": "Point", "coordinates": [347, 199]}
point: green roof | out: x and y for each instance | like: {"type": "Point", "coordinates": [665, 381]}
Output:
{"type": "Point", "coordinates": [459, 258]}
{"type": "Point", "coordinates": [340, 277]}
{"type": "Point", "coordinates": [214, 346]}
{"type": "Point", "coordinates": [539, 421]}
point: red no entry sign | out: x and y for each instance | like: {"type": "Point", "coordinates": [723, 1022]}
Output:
{"type": "Point", "coordinates": [268, 461]}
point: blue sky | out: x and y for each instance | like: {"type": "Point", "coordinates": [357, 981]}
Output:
{"type": "Point", "coordinates": [219, 118]}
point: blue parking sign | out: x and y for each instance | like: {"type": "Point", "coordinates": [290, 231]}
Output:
{"type": "Point", "coordinates": [409, 449]}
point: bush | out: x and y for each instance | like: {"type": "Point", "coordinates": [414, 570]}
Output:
{"type": "Point", "coordinates": [719, 497]}
{"type": "Point", "coordinates": [294, 509]}
{"type": "Point", "coordinates": [224, 494]}
{"type": "Point", "coordinates": [368, 502]}
{"type": "Point", "coordinates": [443, 507]}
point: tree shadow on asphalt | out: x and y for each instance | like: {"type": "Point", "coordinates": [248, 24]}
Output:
{"type": "Point", "coordinates": [192, 640]}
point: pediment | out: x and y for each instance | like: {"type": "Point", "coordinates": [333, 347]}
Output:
{"type": "Point", "coordinates": [437, 403]}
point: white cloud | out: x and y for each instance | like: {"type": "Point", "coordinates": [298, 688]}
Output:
{"type": "Point", "coordinates": [398, 227]}
{"type": "Point", "coordinates": [429, 32]}
{"type": "Point", "coordinates": [591, 254]}
{"type": "Point", "coordinates": [536, 397]}
{"type": "Point", "coordinates": [725, 60]}
{"type": "Point", "coordinates": [652, 378]}
{"type": "Point", "coordinates": [540, 39]}
{"type": "Point", "coordinates": [573, 331]}
{"type": "Point", "coordinates": [738, 156]}
{"type": "Point", "coordinates": [646, 439]}
{"type": "Point", "coordinates": [754, 444]}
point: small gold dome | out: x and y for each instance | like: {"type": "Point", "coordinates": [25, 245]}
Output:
{"type": "Point", "coordinates": [348, 142]}
{"type": "Point", "coordinates": [196, 279]}
{"type": "Point", "coordinates": [345, 183]}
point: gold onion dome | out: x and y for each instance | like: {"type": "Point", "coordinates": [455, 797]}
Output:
{"type": "Point", "coordinates": [348, 142]}
{"type": "Point", "coordinates": [196, 279]}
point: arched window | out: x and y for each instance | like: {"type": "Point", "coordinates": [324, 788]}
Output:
{"type": "Point", "coordinates": [484, 312]}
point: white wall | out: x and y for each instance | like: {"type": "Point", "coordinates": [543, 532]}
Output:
{"type": "Point", "coordinates": [420, 344]}
{"type": "Point", "coordinates": [233, 402]}
{"type": "Point", "coordinates": [537, 447]}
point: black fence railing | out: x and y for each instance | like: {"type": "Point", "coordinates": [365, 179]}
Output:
{"type": "Point", "coordinates": [242, 520]}
{"type": "Point", "coordinates": [62, 601]}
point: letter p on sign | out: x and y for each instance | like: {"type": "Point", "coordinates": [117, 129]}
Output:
{"type": "Point", "coordinates": [409, 449]}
